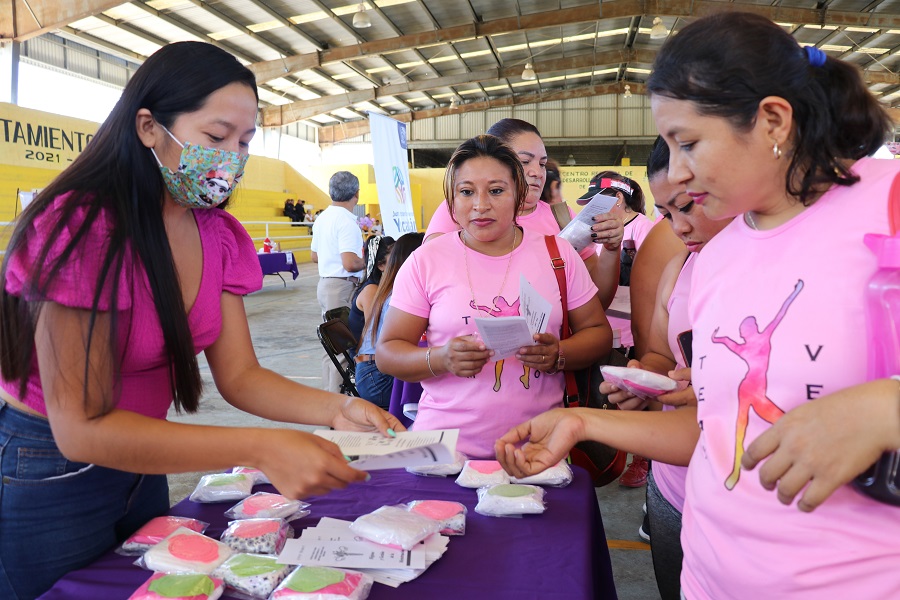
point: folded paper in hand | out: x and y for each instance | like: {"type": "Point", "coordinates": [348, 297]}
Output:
{"type": "Point", "coordinates": [505, 335]}
{"type": "Point", "coordinates": [373, 451]}
{"type": "Point", "coordinates": [578, 231]}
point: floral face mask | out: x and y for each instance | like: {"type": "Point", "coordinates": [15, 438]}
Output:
{"type": "Point", "coordinates": [205, 178]}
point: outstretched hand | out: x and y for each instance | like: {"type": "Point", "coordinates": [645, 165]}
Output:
{"type": "Point", "coordinates": [540, 443]}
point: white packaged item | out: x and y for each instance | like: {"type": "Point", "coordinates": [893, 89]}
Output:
{"type": "Point", "coordinates": [510, 499]}
{"type": "Point", "coordinates": [323, 583]}
{"type": "Point", "coordinates": [479, 473]}
{"type": "Point", "coordinates": [257, 536]}
{"type": "Point", "coordinates": [258, 476]}
{"type": "Point", "coordinates": [155, 530]}
{"type": "Point", "coordinates": [395, 526]}
{"type": "Point", "coordinates": [441, 470]}
{"type": "Point", "coordinates": [185, 551]}
{"type": "Point", "coordinates": [559, 475]}
{"type": "Point", "coordinates": [223, 487]}
{"type": "Point", "coordinates": [254, 575]}
{"type": "Point", "coordinates": [641, 383]}
{"type": "Point", "coordinates": [179, 586]}
{"type": "Point", "coordinates": [451, 515]}
{"type": "Point", "coordinates": [263, 505]}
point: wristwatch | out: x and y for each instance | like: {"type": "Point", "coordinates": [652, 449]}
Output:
{"type": "Point", "coordinates": [560, 363]}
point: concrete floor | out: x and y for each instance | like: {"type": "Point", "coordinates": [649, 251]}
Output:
{"type": "Point", "coordinates": [283, 321]}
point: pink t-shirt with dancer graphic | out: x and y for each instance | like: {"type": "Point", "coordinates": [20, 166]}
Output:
{"type": "Point", "coordinates": [778, 321]}
{"type": "Point", "coordinates": [434, 284]}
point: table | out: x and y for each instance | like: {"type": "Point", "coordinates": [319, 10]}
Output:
{"type": "Point", "coordinates": [560, 555]}
{"type": "Point", "coordinates": [404, 393]}
{"type": "Point", "coordinates": [274, 263]}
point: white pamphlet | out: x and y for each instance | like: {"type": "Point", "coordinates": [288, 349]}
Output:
{"type": "Point", "coordinates": [373, 451]}
{"type": "Point", "coordinates": [534, 307]}
{"type": "Point", "coordinates": [349, 555]}
{"type": "Point", "coordinates": [578, 231]}
{"type": "Point", "coordinates": [504, 335]}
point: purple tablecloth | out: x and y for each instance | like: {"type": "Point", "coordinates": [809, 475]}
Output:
{"type": "Point", "coordinates": [560, 555]}
{"type": "Point", "coordinates": [274, 263]}
{"type": "Point", "coordinates": [402, 393]}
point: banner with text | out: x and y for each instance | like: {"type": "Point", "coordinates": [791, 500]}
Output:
{"type": "Point", "coordinates": [392, 175]}
{"type": "Point", "coordinates": [32, 138]}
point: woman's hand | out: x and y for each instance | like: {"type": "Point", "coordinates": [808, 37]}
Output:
{"type": "Point", "coordinates": [824, 444]}
{"type": "Point", "coordinates": [463, 356]}
{"type": "Point", "coordinates": [624, 399]}
{"type": "Point", "coordinates": [543, 355]}
{"type": "Point", "coordinates": [681, 397]}
{"type": "Point", "coordinates": [608, 230]}
{"type": "Point", "coordinates": [547, 440]}
{"type": "Point", "coordinates": [301, 464]}
{"type": "Point", "coordinates": [357, 414]}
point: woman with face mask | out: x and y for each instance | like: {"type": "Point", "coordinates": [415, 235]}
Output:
{"type": "Point", "coordinates": [119, 272]}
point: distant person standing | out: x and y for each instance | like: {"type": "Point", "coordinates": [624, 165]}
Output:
{"type": "Point", "coordinates": [337, 247]}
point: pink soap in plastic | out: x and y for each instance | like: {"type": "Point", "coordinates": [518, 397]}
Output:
{"type": "Point", "coordinates": [451, 515]}
{"type": "Point", "coordinates": [155, 530]}
{"type": "Point", "coordinates": [641, 383]}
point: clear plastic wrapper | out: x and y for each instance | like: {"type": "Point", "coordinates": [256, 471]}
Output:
{"type": "Point", "coordinates": [154, 531]}
{"type": "Point", "coordinates": [323, 583]}
{"type": "Point", "coordinates": [510, 499]}
{"type": "Point", "coordinates": [223, 487]}
{"type": "Point", "coordinates": [179, 586]}
{"type": "Point", "coordinates": [257, 536]}
{"type": "Point", "coordinates": [639, 382]}
{"type": "Point", "coordinates": [263, 505]}
{"type": "Point", "coordinates": [258, 476]}
{"type": "Point", "coordinates": [559, 475]}
{"type": "Point", "coordinates": [441, 470]}
{"type": "Point", "coordinates": [253, 575]}
{"type": "Point", "coordinates": [479, 473]}
{"type": "Point", "coordinates": [395, 526]}
{"type": "Point", "coordinates": [451, 515]}
{"type": "Point", "coordinates": [185, 551]}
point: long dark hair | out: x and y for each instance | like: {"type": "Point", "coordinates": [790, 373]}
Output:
{"type": "Point", "coordinates": [507, 129]}
{"type": "Point", "coordinates": [727, 63]}
{"type": "Point", "coordinates": [401, 250]}
{"type": "Point", "coordinates": [658, 161]}
{"type": "Point", "coordinates": [491, 147]}
{"type": "Point", "coordinates": [553, 176]}
{"type": "Point", "coordinates": [117, 178]}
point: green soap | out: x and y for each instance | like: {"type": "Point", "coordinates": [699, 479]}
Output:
{"type": "Point", "coordinates": [509, 490]}
{"type": "Point", "coordinates": [313, 579]}
{"type": "Point", "coordinates": [182, 586]}
{"type": "Point", "coordinates": [248, 565]}
{"type": "Point", "coordinates": [226, 480]}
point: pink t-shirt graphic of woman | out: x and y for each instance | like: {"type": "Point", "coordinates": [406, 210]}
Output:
{"type": "Point", "coordinates": [502, 308]}
{"type": "Point", "coordinates": [756, 352]}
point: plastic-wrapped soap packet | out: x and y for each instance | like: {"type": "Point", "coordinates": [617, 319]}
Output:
{"type": "Point", "coordinates": [222, 487]}
{"type": "Point", "coordinates": [451, 515]}
{"type": "Point", "coordinates": [441, 470]}
{"type": "Point", "coordinates": [479, 473]}
{"type": "Point", "coordinates": [252, 575]}
{"type": "Point", "coordinates": [257, 536]}
{"type": "Point", "coordinates": [641, 383]}
{"type": "Point", "coordinates": [559, 475]}
{"type": "Point", "coordinates": [264, 505]}
{"type": "Point", "coordinates": [509, 499]}
{"type": "Point", "coordinates": [179, 586]}
{"type": "Point", "coordinates": [185, 551]}
{"type": "Point", "coordinates": [395, 526]}
{"type": "Point", "coordinates": [258, 476]}
{"type": "Point", "coordinates": [323, 583]}
{"type": "Point", "coordinates": [154, 531]}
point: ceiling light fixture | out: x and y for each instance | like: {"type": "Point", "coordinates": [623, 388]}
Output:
{"type": "Point", "coordinates": [361, 19]}
{"type": "Point", "coordinates": [528, 73]}
{"type": "Point", "coordinates": [627, 92]}
{"type": "Point", "coordinates": [571, 161]}
{"type": "Point", "coordinates": [454, 103]}
{"type": "Point", "coordinates": [658, 31]}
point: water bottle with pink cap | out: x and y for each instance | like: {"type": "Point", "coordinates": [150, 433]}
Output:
{"type": "Point", "coordinates": [882, 305]}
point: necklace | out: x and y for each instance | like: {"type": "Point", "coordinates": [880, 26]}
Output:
{"type": "Point", "coordinates": [469, 276]}
{"type": "Point", "coordinates": [748, 218]}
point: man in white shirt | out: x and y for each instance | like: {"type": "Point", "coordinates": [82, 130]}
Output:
{"type": "Point", "coordinates": [337, 247]}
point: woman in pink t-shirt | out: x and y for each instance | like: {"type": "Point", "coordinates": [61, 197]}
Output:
{"type": "Point", "coordinates": [536, 215]}
{"type": "Point", "coordinates": [116, 276]}
{"type": "Point", "coordinates": [777, 312]}
{"type": "Point", "coordinates": [450, 283]}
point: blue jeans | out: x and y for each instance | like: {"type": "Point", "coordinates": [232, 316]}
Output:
{"type": "Point", "coordinates": [373, 385]}
{"type": "Point", "coordinates": [56, 515]}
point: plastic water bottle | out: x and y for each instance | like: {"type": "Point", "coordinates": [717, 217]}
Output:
{"type": "Point", "coordinates": [882, 480]}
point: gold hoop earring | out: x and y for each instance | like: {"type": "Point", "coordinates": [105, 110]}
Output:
{"type": "Point", "coordinates": [776, 151]}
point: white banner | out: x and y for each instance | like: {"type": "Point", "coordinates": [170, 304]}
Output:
{"type": "Point", "coordinates": [392, 175]}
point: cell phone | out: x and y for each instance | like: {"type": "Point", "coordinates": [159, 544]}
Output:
{"type": "Point", "coordinates": [685, 344]}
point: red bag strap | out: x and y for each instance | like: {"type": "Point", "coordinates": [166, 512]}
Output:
{"type": "Point", "coordinates": [894, 206]}
{"type": "Point", "coordinates": [559, 269]}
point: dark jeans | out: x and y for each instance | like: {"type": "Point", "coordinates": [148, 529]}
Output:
{"type": "Point", "coordinates": [665, 542]}
{"type": "Point", "coordinates": [373, 385]}
{"type": "Point", "coordinates": [57, 515]}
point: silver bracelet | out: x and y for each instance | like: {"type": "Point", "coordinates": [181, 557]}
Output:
{"type": "Point", "coordinates": [428, 361]}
